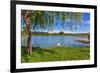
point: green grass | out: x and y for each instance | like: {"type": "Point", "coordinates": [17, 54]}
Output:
{"type": "Point", "coordinates": [55, 54]}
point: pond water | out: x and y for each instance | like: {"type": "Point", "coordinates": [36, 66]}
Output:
{"type": "Point", "coordinates": [53, 41]}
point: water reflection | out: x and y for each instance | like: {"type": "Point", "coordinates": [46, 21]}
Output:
{"type": "Point", "coordinates": [53, 41]}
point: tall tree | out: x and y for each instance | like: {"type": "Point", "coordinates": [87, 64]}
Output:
{"type": "Point", "coordinates": [36, 20]}
{"type": "Point", "coordinates": [26, 16]}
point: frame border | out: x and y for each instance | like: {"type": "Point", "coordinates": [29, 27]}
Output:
{"type": "Point", "coordinates": [13, 36]}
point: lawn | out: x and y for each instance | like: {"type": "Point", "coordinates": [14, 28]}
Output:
{"type": "Point", "coordinates": [55, 54]}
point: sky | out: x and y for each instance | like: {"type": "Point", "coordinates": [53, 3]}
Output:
{"type": "Point", "coordinates": [83, 28]}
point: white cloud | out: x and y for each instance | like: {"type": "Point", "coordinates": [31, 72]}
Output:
{"type": "Point", "coordinates": [78, 26]}
{"type": "Point", "coordinates": [86, 22]}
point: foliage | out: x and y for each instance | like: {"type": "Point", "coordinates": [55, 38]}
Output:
{"type": "Point", "coordinates": [61, 32]}
{"type": "Point", "coordinates": [42, 19]}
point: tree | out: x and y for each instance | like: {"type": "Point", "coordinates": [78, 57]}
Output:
{"type": "Point", "coordinates": [36, 20]}
{"type": "Point", "coordinates": [26, 16]}
{"type": "Point", "coordinates": [61, 32]}
{"type": "Point", "coordinates": [42, 19]}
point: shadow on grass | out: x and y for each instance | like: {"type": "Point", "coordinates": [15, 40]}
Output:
{"type": "Point", "coordinates": [85, 50]}
{"type": "Point", "coordinates": [41, 50]}
{"type": "Point", "coordinates": [38, 50]}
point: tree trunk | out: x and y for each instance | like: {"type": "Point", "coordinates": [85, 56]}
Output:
{"type": "Point", "coordinates": [26, 15]}
{"type": "Point", "coordinates": [29, 43]}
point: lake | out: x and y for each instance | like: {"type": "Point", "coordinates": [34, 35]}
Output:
{"type": "Point", "coordinates": [54, 41]}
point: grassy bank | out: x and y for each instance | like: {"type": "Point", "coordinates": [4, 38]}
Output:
{"type": "Point", "coordinates": [55, 54]}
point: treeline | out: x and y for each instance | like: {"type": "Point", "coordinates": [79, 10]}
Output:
{"type": "Point", "coordinates": [60, 34]}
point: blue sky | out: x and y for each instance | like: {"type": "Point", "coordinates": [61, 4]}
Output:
{"type": "Point", "coordinates": [83, 28]}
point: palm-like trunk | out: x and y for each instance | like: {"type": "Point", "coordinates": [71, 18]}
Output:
{"type": "Point", "coordinates": [26, 15]}
{"type": "Point", "coordinates": [29, 42]}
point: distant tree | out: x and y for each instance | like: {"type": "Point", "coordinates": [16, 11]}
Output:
{"type": "Point", "coordinates": [61, 32]}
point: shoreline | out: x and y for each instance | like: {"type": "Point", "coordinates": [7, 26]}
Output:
{"type": "Point", "coordinates": [83, 41]}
